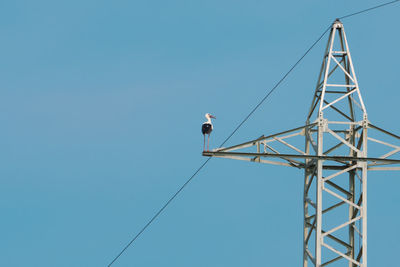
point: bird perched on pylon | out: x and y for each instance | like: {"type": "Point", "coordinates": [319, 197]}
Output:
{"type": "Point", "coordinates": [207, 128]}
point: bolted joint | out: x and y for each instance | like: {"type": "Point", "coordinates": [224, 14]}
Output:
{"type": "Point", "coordinates": [320, 118]}
{"type": "Point", "coordinates": [323, 124]}
{"type": "Point", "coordinates": [365, 121]}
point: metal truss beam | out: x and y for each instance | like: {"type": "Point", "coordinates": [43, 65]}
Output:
{"type": "Point", "coordinates": [255, 156]}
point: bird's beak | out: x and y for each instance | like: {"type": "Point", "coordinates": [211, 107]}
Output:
{"type": "Point", "coordinates": [211, 116]}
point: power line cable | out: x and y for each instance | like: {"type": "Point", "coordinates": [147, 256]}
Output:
{"type": "Point", "coordinates": [369, 9]}
{"type": "Point", "coordinates": [236, 129]}
{"type": "Point", "coordinates": [159, 212]}
{"type": "Point", "coordinates": [223, 143]}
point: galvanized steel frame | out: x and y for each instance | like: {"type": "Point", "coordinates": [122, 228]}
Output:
{"type": "Point", "coordinates": [322, 168]}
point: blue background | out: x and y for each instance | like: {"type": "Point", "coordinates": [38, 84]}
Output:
{"type": "Point", "coordinates": [101, 104]}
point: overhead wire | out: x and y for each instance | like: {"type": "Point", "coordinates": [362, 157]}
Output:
{"type": "Point", "coordinates": [236, 129]}
{"type": "Point", "coordinates": [159, 211]}
{"type": "Point", "coordinates": [223, 143]}
{"type": "Point", "coordinates": [369, 9]}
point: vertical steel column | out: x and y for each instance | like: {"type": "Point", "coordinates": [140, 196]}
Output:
{"type": "Point", "coordinates": [305, 208]}
{"type": "Point", "coordinates": [318, 228]}
{"type": "Point", "coordinates": [351, 249]}
{"type": "Point", "coordinates": [364, 192]}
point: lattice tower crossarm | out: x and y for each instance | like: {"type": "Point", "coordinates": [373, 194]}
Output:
{"type": "Point", "coordinates": [335, 160]}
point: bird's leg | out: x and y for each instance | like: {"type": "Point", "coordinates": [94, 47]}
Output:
{"type": "Point", "coordinates": [208, 143]}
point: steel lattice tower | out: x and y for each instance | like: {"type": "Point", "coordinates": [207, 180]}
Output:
{"type": "Point", "coordinates": [335, 160]}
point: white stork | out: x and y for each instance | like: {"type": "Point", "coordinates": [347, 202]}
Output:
{"type": "Point", "coordinates": [207, 128]}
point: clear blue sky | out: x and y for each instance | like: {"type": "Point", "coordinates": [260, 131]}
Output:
{"type": "Point", "coordinates": [101, 104]}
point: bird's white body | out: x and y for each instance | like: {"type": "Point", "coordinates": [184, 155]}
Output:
{"type": "Point", "coordinates": [208, 117]}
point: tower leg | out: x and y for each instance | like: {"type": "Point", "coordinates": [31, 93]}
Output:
{"type": "Point", "coordinates": [320, 181]}
{"type": "Point", "coordinates": [364, 194]}
{"type": "Point", "coordinates": [306, 229]}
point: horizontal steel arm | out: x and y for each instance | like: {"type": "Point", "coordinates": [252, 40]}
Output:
{"type": "Point", "coordinates": [253, 142]}
{"type": "Point", "coordinates": [295, 156]}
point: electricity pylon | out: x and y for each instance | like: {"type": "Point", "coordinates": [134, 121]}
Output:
{"type": "Point", "coordinates": [335, 160]}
